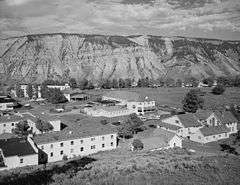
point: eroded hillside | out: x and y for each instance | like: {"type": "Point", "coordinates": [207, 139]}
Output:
{"type": "Point", "coordinates": [99, 57]}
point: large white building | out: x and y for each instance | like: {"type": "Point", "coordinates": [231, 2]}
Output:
{"type": "Point", "coordinates": [72, 142]}
{"type": "Point", "coordinates": [17, 152]}
{"type": "Point", "coordinates": [134, 102]}
{"type": "Point", "coordinates": [203, 126]}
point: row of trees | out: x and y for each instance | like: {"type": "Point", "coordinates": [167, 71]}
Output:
{"type": "Point", "coordinates": [22, 128]}
{"type": "Point", "coordinates": [52, 95]}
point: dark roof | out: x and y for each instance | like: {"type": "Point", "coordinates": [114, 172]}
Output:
{"type": "Point", "coordinates": [189, 120]}
{"type": "Point", "coordinates": [203, 114]}
{"type": "Point", "coordinates": [86, 128]}
{"type": "Point", "coordinates": [155, 139]}
{"type": "Point", "coordinates": [214, 130]}
{"type": "Point", "coordinates": [226, 117]}
{"type": "Point", "coordinates": [7, 100]}
{"type": "Point", "coordinates": [16, 146]}
{"type": "Point", "coordinates": [10, 118]}
{"type": "Point", "coordinates": [169, 126]}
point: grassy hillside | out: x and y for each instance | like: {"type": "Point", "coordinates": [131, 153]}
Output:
{"type": "Point", "coordinates": [138, 168]}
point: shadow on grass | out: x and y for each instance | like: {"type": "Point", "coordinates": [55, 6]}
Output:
{"type": "Point", "coordinates": [43, 176]}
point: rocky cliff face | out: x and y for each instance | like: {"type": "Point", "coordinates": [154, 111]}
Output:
{"type": "Point", "coordinates": [97, 57]}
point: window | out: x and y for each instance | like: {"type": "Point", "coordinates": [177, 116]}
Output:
{"type": "Point", "coordinates": [219, 135]}
{"type": "Point", "coordinates": [213, 121]}
{"type": "Point", "coordinates": [81, 141]}
{"type": "Point", "coordinates": [51, 154]}
{"type": "Point", "coordinates": [4, 125]}
{"type": "Point", "coordinates": [103, 145]}
{"type": "Point", "coordinates": [72, 142]}
{"type": "Point", "coordinates": [199, 137]}
{"type": "Point", "coordinates": [226, 135]}
{"type": "Point", "coordinates": [176, 121]}
{"type": "Point", "coordinates": [12, 124]}
{"type": "Point", "coordinates": [111, 143]}
{"type": "Point", "coordinates": [103, 138]}
{"type": "Point", "coordinates": [51, 146]}
{"type": "Point", "coordinates": [72, 150]}
{"type": "Point", "coordinates": [93, 138]}
{"type": "Point", "coordinates": [42, 147]}
{"type": "Point", "coordinates": [81, 149]}
{"type": "Point", "coordinates": [206, 138]}
{"type": "Point", "coordinates": [111, 136]}
{"type": "Point", "coordinates": [21, 160]}
{"type": "Point", "coordinates": [61, 144]}
{"type": "Point", "coordinates": [133, 106]}
{"type": "Point", "coordinates": [93, 147]}
{"type": "Point", "coordinates": [213, 136]}
{"type": "Point", "coordinates": [61, 152]}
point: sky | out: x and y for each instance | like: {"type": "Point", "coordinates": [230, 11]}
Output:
{"type": "Point", "coordinates": [191, 18]}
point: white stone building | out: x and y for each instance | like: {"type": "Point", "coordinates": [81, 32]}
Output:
{"type": "Point", "coordinates": [134, 101]}
{"type": "Point", "coordinates": [17, 152]}
{"type": "Point", "coordinates": [73, 142]}
{"type": "Point", "coordinates": [203, 126]}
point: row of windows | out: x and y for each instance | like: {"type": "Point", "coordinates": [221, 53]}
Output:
{"type": "Point", "coordinates": [81, 141]}
{"type": "Point", "coordinates": [219, 136]}
{"type": "Point", "coordinates": [13, 124]}
{"type": "Point", "coordinates": [81, 149]}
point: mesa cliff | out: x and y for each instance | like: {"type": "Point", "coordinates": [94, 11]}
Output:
{"type": "Point", "coordinates": [34, 58]}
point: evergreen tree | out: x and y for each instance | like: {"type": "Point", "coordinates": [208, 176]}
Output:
{"type": "Point", "coordinates": [73, 83]}
{"type": "Point", "coordinates": [179, 83]}
{"type": "Point", "coordinates": [115, 83]}
{"type": "Point", "coordinates": [83, 84]}
{"type": "Point", "coordinates": [137, 144]}
{"type": "Point", "coordinates": [35, 87]}
{"type": "Point", "coordinates": [125, 130]}
{"type": "Point", "coordinates": [128, 82]}
{"type": "Point", "coordinates": [19, 91]}
{"type": "Point", "coordinates": [192, 102]}
{"type": "Point", "coordinates": [43, 126]}
{"type": "Point", "coordinates": [219, 89]}
{"type": "Point", "coordinates": [22, 129]}
{"type": "Point", "coordinates": [54, 95]}
{"type": "Point", "coordinates": [121, 83]}
{"type": "Point", "coordinates": [44, 90]}
{"type": "Point", "coordinates": [30, 91]}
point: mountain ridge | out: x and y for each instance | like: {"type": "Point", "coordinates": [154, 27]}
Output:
{"type": "Point", "coordinates": [36, 57]}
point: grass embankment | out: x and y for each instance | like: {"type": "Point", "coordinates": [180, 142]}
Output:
{"type": "Point", "coordinates": [133, 168]}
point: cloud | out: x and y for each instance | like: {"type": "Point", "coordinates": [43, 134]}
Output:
{"type": "Point", "coordinates": [122, 16]}
{"type": "Point", "coordinates": [16, 2]}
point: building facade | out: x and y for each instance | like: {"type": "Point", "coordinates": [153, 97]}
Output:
{"type": "Point", "coordinates": [18, 152]}
{"type": "Point", "coordinates": [56, 150]}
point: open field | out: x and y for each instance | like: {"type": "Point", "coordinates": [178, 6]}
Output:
{"type": "Point", "coordinates": [174, 96]}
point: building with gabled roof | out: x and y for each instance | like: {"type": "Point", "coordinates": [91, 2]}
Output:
{"type": "Point", "coordinates": [18, 152]}
{"type": "Point", "coordinates": [204, 125]}
{"type": "Point", "coordinates": [159, 139]}
{"type": "Point", "coordinates": [78, 140]}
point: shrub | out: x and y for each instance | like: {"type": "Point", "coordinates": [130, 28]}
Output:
{"type": "Point", "coordinates": [65, 158]}
{"type": "Point", "coordinates": [137, 144]}
{"type": "Point", "coordinates": [219, 89]}
{"type": "Point", "coordinates": [104, 122]}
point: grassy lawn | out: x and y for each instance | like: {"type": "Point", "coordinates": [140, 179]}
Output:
{"type": "Point", "coordinates": [174, 96]}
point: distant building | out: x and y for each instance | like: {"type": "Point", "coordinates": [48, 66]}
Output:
{"type": "Point", "coordinates": [17, 152]}
{"type": "Point", "coordinates": [159, 139]}
{"type": "Point", "coordinates": [201, 84]}
{"type": "Point", "coordinates": [107, 111]}
{"type": "Point", "coordinates": [6, 103]}
{"type": "Point", "coordinates": [134, 101]}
